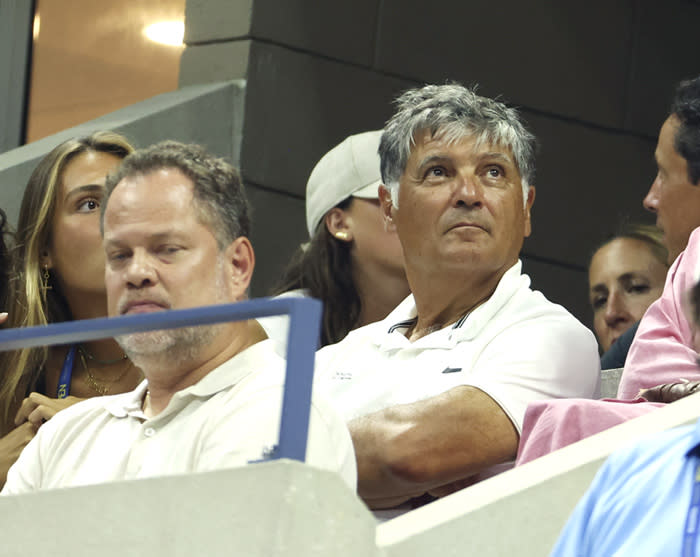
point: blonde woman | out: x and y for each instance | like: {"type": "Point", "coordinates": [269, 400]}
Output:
{"type": "Point", "coordinates": [625, 275]}
{"type": "Point", "coordinates": [59, 276]}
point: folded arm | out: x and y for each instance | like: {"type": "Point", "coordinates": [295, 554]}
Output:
{"type": "Point", "coordinates": [430, 445]}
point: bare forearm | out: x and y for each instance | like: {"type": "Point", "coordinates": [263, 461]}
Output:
{"type": "Point", "coordinates": [406, 450]}
{"type": "Point", "coordinates": [378, 478]}
{"type": "Point", "coordinates": [398, 459]}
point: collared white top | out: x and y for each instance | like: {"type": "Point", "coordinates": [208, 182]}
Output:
{"type": "Point", "coordinates": [230, 417]}
{"type": "Point", "coordinates": [516, 347]}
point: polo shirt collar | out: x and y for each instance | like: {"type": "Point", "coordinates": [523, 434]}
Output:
{"type": "Point", "coordinates": [123, 405]}
{"type": "Point", "coordinates": [511, 281]}
{"type": "Point", "coordinates": [466, 328]}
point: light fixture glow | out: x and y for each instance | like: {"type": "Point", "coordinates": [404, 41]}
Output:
{"type": "Point", "coordinates": [36, 28]}
{"type": "Point", "coordinates": [168, 33]}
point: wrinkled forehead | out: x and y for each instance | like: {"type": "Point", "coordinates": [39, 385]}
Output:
{"type": "Point", "coordinates": [427, 143]}
{"type": "Point", "coordinates": [468, 140]}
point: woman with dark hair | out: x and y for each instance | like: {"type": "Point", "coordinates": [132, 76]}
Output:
{"type": "Point", "coordinates": [352, 263]}
{"type": "Point", "coordinates": [58, 275]}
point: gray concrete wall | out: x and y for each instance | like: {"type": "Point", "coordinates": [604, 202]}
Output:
{"type": "Point", "coordinates": [282, 508]}
{"type": "Point", "coordinates": [211, 115]}
{"type": "Point", "coordinates": [16, 18]}
{"type": "Point", "coordinates": [593, 80]}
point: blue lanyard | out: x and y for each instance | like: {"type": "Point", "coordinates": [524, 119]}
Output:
{"type": "Point", "coordinates": [66, 373]}
{"type": "Point", "coordinates": [692, 521]}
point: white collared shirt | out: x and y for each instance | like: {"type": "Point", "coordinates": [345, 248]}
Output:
{"type": "Point", "coordinates": [516, 347]}
{"type": "Point", "coordinates": [230, 417]}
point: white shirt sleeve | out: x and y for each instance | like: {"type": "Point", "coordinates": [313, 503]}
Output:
{"type": "Point", "coordinates": [25, 474]}
{"type": "Point", "coordinates": [537, 360]}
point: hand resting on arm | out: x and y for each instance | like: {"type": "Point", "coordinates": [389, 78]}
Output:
{"type": "Point", "coordinates": [38, 408]}
{"type": "Point", "coordinates": [35, 410]}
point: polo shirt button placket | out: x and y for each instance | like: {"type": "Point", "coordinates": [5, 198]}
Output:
{"type": "Point", "coordinates": [149, 432]}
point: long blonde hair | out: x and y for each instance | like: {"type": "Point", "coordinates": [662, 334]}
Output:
{"type": "Point", "coordinates": [29, 304]}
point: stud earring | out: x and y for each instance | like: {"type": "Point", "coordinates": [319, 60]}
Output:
{"type": "Point", "coordinates": [342, 236]}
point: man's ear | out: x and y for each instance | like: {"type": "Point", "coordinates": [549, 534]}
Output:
{"type": "Point", "coordinates": [387, 207]}
{"type": "Point", "coordinates": [528, 205]}
{"type": "Point", "coordinates": [240, 262]}
{"type": "Point", "coordinates": [339, 223]}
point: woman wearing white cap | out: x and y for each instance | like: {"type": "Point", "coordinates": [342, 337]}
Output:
{"type": "Point", "coordinates": [352, 263]}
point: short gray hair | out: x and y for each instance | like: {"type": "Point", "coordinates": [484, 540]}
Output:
{"type": "Point", "coordinates": [219, 197]}
{"type": "Point", "coordinates": [452, 111]}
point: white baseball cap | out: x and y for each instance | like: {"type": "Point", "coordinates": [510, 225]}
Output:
{"type": "Point", "coordinates": [349, 169]}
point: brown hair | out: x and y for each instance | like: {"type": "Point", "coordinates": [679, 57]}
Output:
{"type": "Point", "coordinates": [323, 268]}
{"type": "Point", "coordinates": [218, 191]}
{"type": "Point", "coordinates": [5, 260]}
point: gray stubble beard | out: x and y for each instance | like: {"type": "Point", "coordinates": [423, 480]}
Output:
{"type": "Point", "coordinates": [172, 347]}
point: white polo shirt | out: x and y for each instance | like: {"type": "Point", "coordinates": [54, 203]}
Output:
{"type": "Point", "coordinates": [230, 417]}
{"type": "Point", "coordinates": [516, 347]}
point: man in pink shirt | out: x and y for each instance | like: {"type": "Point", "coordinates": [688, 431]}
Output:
{"type": "Point", "coordinates": [662, 351]}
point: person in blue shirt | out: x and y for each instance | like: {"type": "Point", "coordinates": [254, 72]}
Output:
{"type": "Point", "coordinates": [639, 502]}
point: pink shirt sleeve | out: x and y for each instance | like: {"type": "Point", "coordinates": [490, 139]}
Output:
{"type": "Point", "coordinates": [662, 349]}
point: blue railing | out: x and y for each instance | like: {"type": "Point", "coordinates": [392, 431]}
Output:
{"type": "Point", "coordinates": [304, 319]}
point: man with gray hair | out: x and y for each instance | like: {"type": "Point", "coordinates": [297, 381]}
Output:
{"type": "Point", "coordinates": [175, 227]}
{"type": "Point", "coordinates": [435, 394]}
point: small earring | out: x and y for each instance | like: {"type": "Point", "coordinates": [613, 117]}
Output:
{"type": "Point", "coordinates": [45, 280]}
{"type": "Point", "coordinates": [342, 236]}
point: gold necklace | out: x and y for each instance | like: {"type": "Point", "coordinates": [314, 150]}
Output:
{"type": "Point", "coordinates": [90, 356]}
{"type": "Point", "coordinates": [92, 381]}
